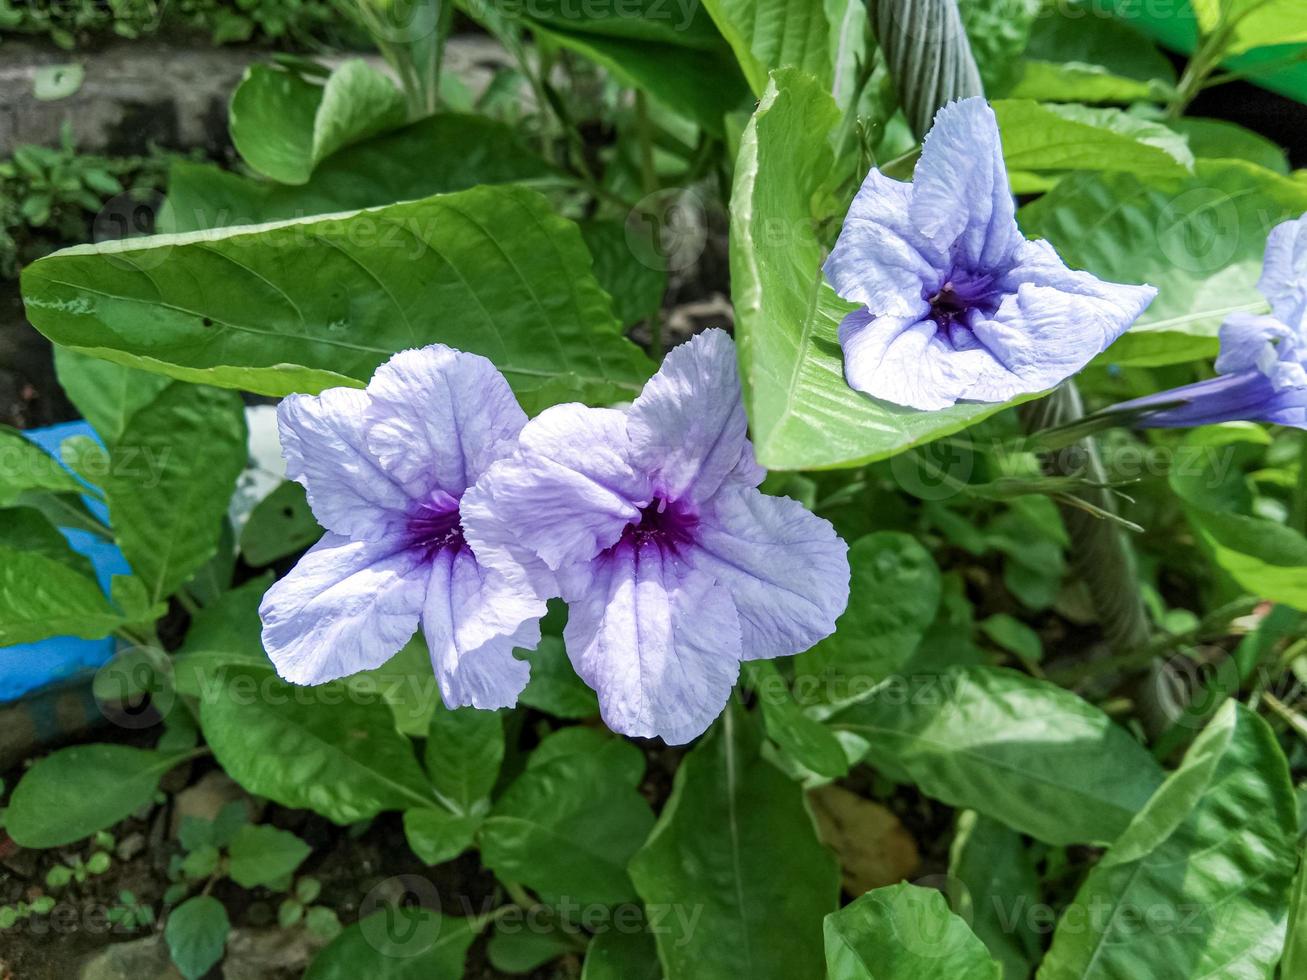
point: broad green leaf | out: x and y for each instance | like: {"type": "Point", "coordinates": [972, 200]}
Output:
{"type": "Point", "coordinates": [106, 394]}
{"type": "Point", "coordinates": [74, 792]}
{"type": "Point", "coordinates": [999, 31]}
{"type": "Point", "coordinates": [260, 854]}
{"type": "Point", "coordinates": [1199, 240]}
{"type": "Point", "coordinates": [1198, 885]}
{"type": "Point", "coordinates": [903, 932]}
{"type": "Point", "coordinates": [1023, 751]}
{"type": "Point", "coordinates": [1014, 636]}
{"type": "Point", "coordinates": [280, 524]}
{"type": "Point", "coordinates": [1000, 885]}
{"type": "Point", "coordinates": [554, 686]}
{"type": "Point", "coordinates": [197, 935]}
{"type": "Point", "coordinates": [442, 153]}
{"type": "Point", "coordinates": [314, 748]}
{"type": "Point", "coordinates": [636, 286]}
{"type": "Point", "coordinates": [900, 583]}
{"type": "Point", "coordinates": [465, 747]}
{"type": "Point", "coordinates": [1217, 139]}
{"type": "Point", "coordinates": [171, 476]}
{"type": "Point", "coordinates": [304, 305]}
{"type": "Point", "coordinates": [284, 125]}
{"type": "Point", "coordinates": [802, 414]}
{"type": "Point", "coordinates": [25, 466]}
{"type": "Point", "coordinates": [518, 947]}
{"type": "Point", "coordinates": [652, 21]}
{"type": "Point", "coordinates": [623, 760]}
{"type": "Point", "coordinates": [806, 740]}
{"type": "Point", "coordinates": [1294, 961]}
{"type": "Point", "coordinates": [1048, 136]}
{"type": "Point", "coordinates": [767, 34]}
{"type": "Point", "coordinates": [1255, 23]}
{"type": "Point", "coordinates": [622, 955]}
{"type": "Point", "coordinates": [28, 530]}
{"type": "Point", "coordinates": [437, 836]}
{"type": "Point", "coordinates": [736, 843]}
{"type": "Point", "coordinates": [1050, 81]}
{"type": "Point", "coordinates": [397, 944]}
{"type": "Point", "coordinates": [567, 828]}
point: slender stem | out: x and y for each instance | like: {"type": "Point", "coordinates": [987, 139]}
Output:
{"type": "Point", "coordinates": [186, 602]}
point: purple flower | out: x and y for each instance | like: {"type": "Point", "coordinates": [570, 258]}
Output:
{"type": "Point", "coordinates": [956, 303]}
{"type": "Point", "coordinates": [386, 470]}
{"type": "Point", "coordinates": [649, 523]}
{"type": "Point", "coordinates": [1262, 365]}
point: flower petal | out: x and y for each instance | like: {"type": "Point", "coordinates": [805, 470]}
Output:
{"type": "Point", "coordinates": [960, 195]}
{"type": "Point", "coordinates": [880, 258]}
{"type": "Point", "coordinates": [473, 619]}
{"type": "Point", "coordinates": [1284, 274]}
{"type": "Point", "coordinates": [1262, 343]}
{"type": "Point", "coordinates": [658, 641]}
{"type": "Point", "coordinates": [439, 418]}
{"type": "Point", "coordinates": [347, 606]}
{"type": "Point", "coordinates": [566, 494]}
{"type": "Point", "coordinates": [786, 570]}
{"type": "Point", "coordinates": [688, 428]}
{"type": "Point", "coordinates": [1245, 396]}
{"type": "Point", "coordinates": [903, 360]}
{"type": "Point", "coordinates": [323, 438]}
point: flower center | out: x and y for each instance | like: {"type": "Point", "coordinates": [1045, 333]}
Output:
{"type": "Point", "coordinates": [666, 523]}
{"type": "Point", "coordinates": [435, 525]}
{"type": "Point", "coordinates": [961, 293]}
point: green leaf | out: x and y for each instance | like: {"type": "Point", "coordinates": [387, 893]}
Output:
{"type": "Point", "coordinates": [1257, 23]}
{"type": "Point", "coordinates": [903, 932]}
{"type": "Point", "coordinates": [280, 524]}
{"type": "Point", "coordinates": [997, 871]}
{"type": "Point", "coordinates": [876, 637]}
{"type": "Point", "coordinates": [623, 760]}
{"type": "Point", "coordinates": [284, 125]}
{"type": "Point", "coordinates": [806, 740]}
{"type": "Point", "coordinates": [1220, 140]}
{"type": "Point", "coordinates": [397, 944]}
{"type": "Point", "coordinates": [171, 477]}
{"type": "Point", "coordinates": [554, 686]}
{"type": "Point", "coordinates": [197, 935]}
{"type": "Point", "coordinates": [25, 466]}
{"type": "Point", "coordinates": [515, 948]}
{"type": "Point", "coordinates": [314, 748]}
{"type": "Point", "coordinates": [767, 34]}
{"type": "Point", "coordinates": [74, 792]}
{"type": "Point", "coordinates": [259, 855]}
{"type": "Point", "coordinates": [465, 748]}
{"type": "Point", "coordinates": [1294, 960]}
{"type": "Point", "coordinates": [802, 414]}
{"type": "Point", "coordinates": [622, 955]}
{"type": "Point", "coordinates": [736, 841]}
{"type": "Point", "coordinates": [568, 828]}
{"type": "Point", "coordinates": [437, 836]}
{"type": "Point", "coordinates": [636, 286]}
{"type": "Point", "coordinates": [1023, 751]}
{"type": "Point", "coordinates": [106, 394]}
{"type": "Point", "coordinates": [999, 31]}
{"type": "Point", "coordinates": [303, 305]}
{"type": "Point", "coordinates": [1014, 636]}
{"type": "Point", "coordinates": [1199, 240]}
{"type": "Point", "coordinates": [1048, 136]}
{"type": "Point", "coordinates": [1198, 885]}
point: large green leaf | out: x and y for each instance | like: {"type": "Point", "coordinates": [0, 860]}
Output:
{"type": "Point", "coordinates": [1199, 240]}
{"type": "Point", "coordinates": [284, 125]}
{"type": "Point", "coordinates": [736, 844]}
{"type": "Point", "coordinates": [436, 155]}
{"type": "Point", "coordinates": [1023, 751]}
{"type": "Point", "coordinates": [197, 935]}
{"type": "Point", "coordinates": [315, 748]}
{"type": "Point", "coordinates": [74, 792]}
{"type": "Point", "coordinates": [767, 34]}
{"type": "Point", "coordinates": [304, 305]}
{"type": "Point", "coordinates": [171, 476]}
{"type": "Point", "coordinates": [25, 466]}
{"type": "Point", "coordinates": [397, 944]}
{"type": "Point", "coordinates": [903, 932]}
{"type": "Point", "coordinates": [1198, 885]}
{"type": "Point", "coordinates": [801, 412]}
{"type": "Point", "coordinates": [106, 394]}
{"type": "Point", "coordinates": [1047, 136]}
{"type": "Point", "coordinates": [464, 749]}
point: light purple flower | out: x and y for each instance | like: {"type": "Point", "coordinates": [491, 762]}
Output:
{"type": "Point", "coordinates": [385, 470]}
{"type": "Point", "coordinates": [1262, 364]}
{"type": "Point", "coordinates": [649, 523]}
{"type": "Point", "coordinates": [956, 303]}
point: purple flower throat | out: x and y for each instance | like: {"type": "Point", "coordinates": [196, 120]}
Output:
{"type": "Point", "coordinates": [959, 294]}
{"type": "Point", "coordinates": [669, 524]}
{"type": "Point", "coordinates": [435, 525]}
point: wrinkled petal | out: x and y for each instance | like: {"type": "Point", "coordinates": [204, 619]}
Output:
{"type": "Point", "coordinates": [960, 195]}
{"type": "Point", "coordinates": [688, 429]}
{"type": "Point", "coordinates": [657, 640]}
{"type": "Point", "coordinates": [323, 439]}
{"type": "Point", "coordinates": [880, 258]}
{"type": "Point", "coordinates": [473, 618]}
{"type": "Point", "coordinates": [566, 494]}
{"type": "Point", "coordinates": [347, 606]}
{"type": "Point", "coordinates": [1284, 273]}
{"type": "Point", "coordinates": [786, 569]}
{"type": "Point", "coordinates": [1248, 396]}
{"type": "Point", "coordinates": [439, 418]}
{"type": "Point", "coordinates": [1262, 343]}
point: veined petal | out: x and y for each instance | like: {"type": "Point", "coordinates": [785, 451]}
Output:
{"type": "Point", "coordinates": [346, 606]}
{"type": "Point", "coordinates": [904, 361]}
{"type": "Point", "coordinates": [1262, 343]}
{"type": "Point", "coordinates": [324, 441]}
{"type": "Point", "coordinates": [960, 195]}
{"type": "Point", "coordinates": [657, 640]}
{"type": "Point", "coordinates": [473, 618]}
{"type": "Point", "coordinates": [439, 418]}
{"type": "Point", "coordinates": [688, 428]}
{"type": "Point", "coordinates": [1284, 274]}
{"type": "Point", "coordinates": [566, 494]}
{"type": "Point", "coordinates": [880, 258]}
{"type": "Point", "coordinates": [786, 569]}
{"type": "Point", "coordinates": [1245, 396]}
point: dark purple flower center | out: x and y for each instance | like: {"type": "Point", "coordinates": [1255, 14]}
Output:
{"type": "Point", "coordinates": [959, 294]}
{"type": "Point", "coordinates": [434, 526]}
{"type": "Point", "coordinates": [670, 524]}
